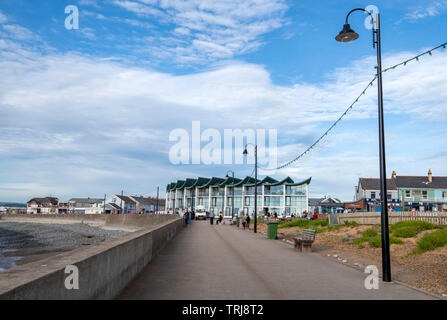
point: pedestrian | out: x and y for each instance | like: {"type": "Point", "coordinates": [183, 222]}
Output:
{"type": "Point", "coordinates": [185, 218]}
{"type": "Point", "coordinates": [247, 219]}
{"type": "Point", "coordinates": [212, 217]}
{"type": "Point", "coordinates": [220, 218]}
{"type": "Point", "coordinates": [244, 223]}
{"type": "Point", "coordinates": [275, 214]}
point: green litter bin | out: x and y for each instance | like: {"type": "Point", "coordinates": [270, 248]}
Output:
{"type": "Point", "coordinates": [272, 230]}
{"type": "Point", "coordinates": [237, 222]}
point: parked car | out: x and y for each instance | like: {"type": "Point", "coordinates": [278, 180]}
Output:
{"type": "Point", "coordinates": [200, 213]}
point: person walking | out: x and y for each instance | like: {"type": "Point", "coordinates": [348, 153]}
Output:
{"type": "Point", "coordinates": [185, 218]}
{"type": "Point", "coordinates": [212, 217]}
{"type": "Point", "coordinates": [220, 218]}
{"type": "Point", "coordinates": [247, 219]}
{"type": "Point", "coordinates": [244, 222]}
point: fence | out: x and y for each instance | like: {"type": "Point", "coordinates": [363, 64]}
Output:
{"type": "Point", "coordinates": [372, 218]}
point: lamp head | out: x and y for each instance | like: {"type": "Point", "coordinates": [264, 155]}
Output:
{"type": "Point", "coordinates": [347, 34]}
{"type": "Point", "coordinates": [245, 152]}
{"type": "Point", "coordinates": [226, 176]}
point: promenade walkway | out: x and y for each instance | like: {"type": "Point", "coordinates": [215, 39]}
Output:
{"type": "Point", "coordinates": [222, 262]}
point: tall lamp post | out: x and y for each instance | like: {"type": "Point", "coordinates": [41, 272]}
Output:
{"type": "Point", "coordinates": [232, 200]}
{"type": "Point", "coordinates": [256, 182]}
{"type": "Point", "coordinates": [347, 35]}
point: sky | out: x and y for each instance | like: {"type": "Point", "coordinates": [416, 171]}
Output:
{"type": "Point", "coordinates": [89, 111]}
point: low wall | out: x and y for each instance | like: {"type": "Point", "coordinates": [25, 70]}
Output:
{"type": "Point", "coordinates": [104, 269]}
{"type": "Point", "coordinates": [372, 218]}
{"type": "Point", "coordinates": [118, 220]}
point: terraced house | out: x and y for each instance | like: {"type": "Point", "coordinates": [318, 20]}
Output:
{"type": "Point", "coordinates": [422, 193]}
{"type": "Point", "coordinates": [286, 197]}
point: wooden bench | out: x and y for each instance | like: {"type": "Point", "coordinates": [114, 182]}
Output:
{"type": "Point", "coordinates": [304, 243]}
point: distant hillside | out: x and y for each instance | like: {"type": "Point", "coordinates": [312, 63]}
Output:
{"type": "Point", "coordinates": [12, 204]}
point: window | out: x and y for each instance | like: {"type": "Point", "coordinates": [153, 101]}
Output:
{"type": "Point", "coordinates": [407, 193]}
{"type": "Point", "coordinates": [444, 194]}
{"type": "Point", "coordinates": [288, 201]}
{"type": "Point", "coordinates": [247, 201]}
{"type": "Point", "coordinates": [424, 194]}
{"type": "Point", "coordinates": [373, 195]}
{"type": "Point", "coordinates": [388, 196]}
{"type": "Point", "coordinates": [266, 201]}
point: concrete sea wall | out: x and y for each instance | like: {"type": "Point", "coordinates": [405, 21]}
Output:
{"type": "Point", "coordinates": [104, 269]}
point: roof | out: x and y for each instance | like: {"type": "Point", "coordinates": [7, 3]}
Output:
{"type": "Point", "coordinates": [213, 182]}
{"type": "Point", "coordinates": [51, 200]}
{"type": "Point", "coordinates": [420, 182]}
{"type": "Point", "coordinates": [325, 201]}
{"type": "Point", "coordinates": [125, 198]}
{"type": "Point", "coordinates": [246, 181]}
{"type": "Point", "coordinates": [374, 184]}
{"type": "Point", "coordinates": [229, 181]}
{"type": "Point", "coordinates": [114, 206]}
{"type": "Point", "coordinates": [201, 182]}
{"type": "Point", "coordinates": [87, 200]}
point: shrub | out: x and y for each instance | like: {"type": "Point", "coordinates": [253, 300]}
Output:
{"type": "Point", "coordinates": [332, 228]}
{"type": "Point", "coordinates": [303, 223]}
{"type": "Point", "coordinates": [376, 242]}
{"type": "Point", "coordinates": [320, 222]}
{"type": "Point", "coordinates": [369, 233]}
{"type": "Point", "coordinates": [360, 240]}
{"type": "Point", "coordinates": [405, 232]}
{"type": "Point", "coordinates": [418, 225]}
{"type": "Point", "coordinates": [432, 241]}
{"type": "Point", "coordinates": [394, 240]}
{"type": "Point", "coordinates": [351, 224]}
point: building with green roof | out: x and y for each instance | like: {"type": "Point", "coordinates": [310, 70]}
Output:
{"type": "Point", "coordinates": [285, 197]}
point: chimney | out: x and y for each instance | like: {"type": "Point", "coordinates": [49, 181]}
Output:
{"type": "Point", "coordinates": [430, 178]}
{"type": "Point", "coordinates": [393, 175]}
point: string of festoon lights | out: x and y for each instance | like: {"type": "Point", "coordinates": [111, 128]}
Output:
{"type": "Point", "coordinates": [403, 63]}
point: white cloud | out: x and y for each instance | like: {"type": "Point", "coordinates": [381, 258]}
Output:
{"type": "Point", "coordinates": [17, 32]}
{"type": "Point", "coordinates": [430, 10]}
{"type": "Point", "coordinates": [3, 18]}
{"type": "Point", "coordinates": [92, 3]}
{"type": "Point", "coordinates": [210, 30]}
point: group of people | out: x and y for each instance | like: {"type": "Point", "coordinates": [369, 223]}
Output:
{"type": "Point", "coordinates": [187, 217]}
{"type": "Point", "coordinates": [310, 216]}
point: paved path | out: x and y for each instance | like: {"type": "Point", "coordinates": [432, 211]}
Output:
{"type": "Point", "coordinates": [222, 262]}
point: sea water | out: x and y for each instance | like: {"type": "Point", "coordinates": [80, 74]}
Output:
{"type": "Point", "coordinates": [7, 262]}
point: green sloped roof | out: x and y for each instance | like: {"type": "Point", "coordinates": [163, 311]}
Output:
{"type": "Point", "coordinates": [268, 180]}
{"type": "Point", "coordinates": [307, 181]}
{"type": "Point", "coordinates": [170, 186]}
{"type": "Point", "coordinates": [287, 180]}
{"type": "Point", "coordinates": [246, 181]}
{"type": "Point", "coordinates": [229, 181]}
{"type": "Point", "coordinates": [188, 182]}
{"type": "Point", "coordinates": [199, 181]}
{"type": "Point", "coordinates": [212, 182]}
{"type": "Point", "coordinates": [179, 184]}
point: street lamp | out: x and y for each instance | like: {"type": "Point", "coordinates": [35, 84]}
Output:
{"type": "Point", "coordinates": [346, 35]}
{"type": "Point", "coordinates": [256, 181]}
{"type": "Point", "coordinates": [232, 201]}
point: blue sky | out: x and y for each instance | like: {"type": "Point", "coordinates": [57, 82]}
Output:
{"type": "Point", "coordinates": [89, 111]}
